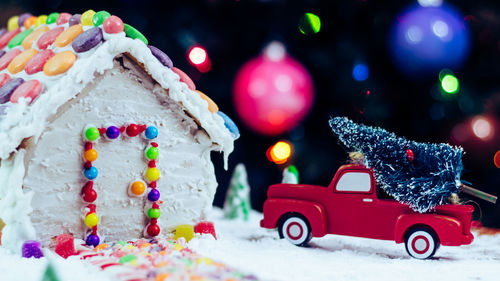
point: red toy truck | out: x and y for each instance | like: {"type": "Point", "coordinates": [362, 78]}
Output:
{"type": "Point", "coordinates": [352, 205]}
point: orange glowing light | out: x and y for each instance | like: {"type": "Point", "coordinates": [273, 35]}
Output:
{"type": "Point", "coordinates": [496, 159]}
{"type": "Point", "coordinates": [197, 55]}
{"type": "Point", "coordinates": [280, 152]}
{"type": "Point", "coordinates": [482, 128]}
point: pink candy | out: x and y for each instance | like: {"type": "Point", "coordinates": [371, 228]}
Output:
{"type": "Point", "coordinates": [63, 18]}
{"type": "Point", "coordinates": [113, 24]}
{"type": "Point", "coordinates": [65, 245]}
{"type": "Point", "coordinates": [30, 89]}
{"type": "Point", "coordinates": [36, 63]}
{"type": "Point", "coordinates": [184, 78]}
{"type": "Point", "coordinates": [49, 37]}
{"type": "Point", "coordinates": [4, 79]}
{"type": "Point", "coordinates": [205, 227]}
{"type": "Point", "coordinates": [7, 36]}
{"type": "Point", "coordinates": [8, 57]}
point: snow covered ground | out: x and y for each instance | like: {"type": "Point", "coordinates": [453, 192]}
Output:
{"type": "Point", "coordinates": [252, 249]}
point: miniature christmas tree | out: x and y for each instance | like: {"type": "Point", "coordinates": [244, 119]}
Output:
{"type": "Point", "coordinates": [237, 204]}
{"type": "Point", "coordinates": [50, 273]}
{"type": "Point", "coordinates": [290, 175]}
{"type": "Point", "coordinates": [422, 175]}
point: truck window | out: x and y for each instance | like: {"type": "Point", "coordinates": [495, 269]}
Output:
{"type": "Point", "coordinates": [354, 181]}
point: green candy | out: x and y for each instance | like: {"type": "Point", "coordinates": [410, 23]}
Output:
{"type": "Point", "coordinates": [153, 213]}
{"type": "Point", "coordinates": [152, 153]}
{"type": "Point", "coordinates": [19, 38]}
{"type": "Point", "coordinates": [134, 33]}
{"type": "Point", "coordinates": [127, 258]}
{"type": "Point", "coordinates": [92, 133]}
{"type": "Point", "coordinates": [99, 17]}
{"type": "Point", "coordinates": [52, 18]}
{"type": "Point", "coordinates": [121, 242]}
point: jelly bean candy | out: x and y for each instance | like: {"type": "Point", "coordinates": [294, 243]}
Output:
{"type": "Point", "coordinates": [230, 125]}
{"type": "Point", "coordinates": [113, 24]}
{"type": "Point", "coordinates": [205, 227]}
{"type": "Point", "coordinates": [7, 89]}
{"type": "Point", "coordinates": [23, 18]}
{"type": "Point", "coordinates": [4, 79]}
{"type": "Point", "coordinates": [31, 249]}
{"type": "Point", "coordinates": [161, 56]}
{"type": "Point", "coordinates": [8, 57]}
{"type": "Point", "coordinates": [184, 78]}
{"type": "Point", "coordinates": [7, 37]}
{"type": "Point", "coordinates": [134, 33]}
{"type": "Point", "coordinates": [75, 19]}
{"type": "Point", "coordinates": [3, 31]}
{"type": "Point", "coordinates": [13, 23]}
{"type": "Point", "coordinates": [68, 35]}
{"type": "Point", "coordinates": [18, 63]}
{"type": "Point", "coordinates": [29, 22]}
{"type": "Point", "coordinates": [42, 19]}
{"type": "Point", "coordinates": [212, 106]}
{"type": "Point", "coordinates": [63, 18]}
{"type": "Point", "coordinates": [19, 38]}
{"type": "Point", "coordinates": [87, 40]}
{"type": "Point", "coordinates": [184, 230]}
{"type": "Point", "coordinates": [30, 89]}
{"type": "Point", "coordinates": [127, 258]}
{"type": "Point", "coordinates": [59, 63]}
{"type": "Point", "coordinates": [49, 37]}
{"type": "Point", "coordinates": [28, 41]}
{"type": "Point", "coordinates": [99, 17]}
{"type": "Point", "coordinates": [65, 245]}
{"type": "Point", "coordinates": [2, 52]}
{"type": "Point", "coordinates": [36, 63]}
{"type": "Point", "coordinates": [87, 17]}
{"type": "Point", "coordinates": [52, 18]}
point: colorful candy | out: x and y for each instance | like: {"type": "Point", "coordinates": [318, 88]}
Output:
{"type": "Point", "coordinates": [184, 78]}
{"type": "Point", "coordinates": [13, 23]}
{"type": "Point", "coordinates": [30, 22]}
{"type": "Point", "coordinates": [153, 213]}
{"type": "Point", "coordinates": [63, 18]}
{"type": "Point", "coordinates": [92, 240]}
{"type": "Point", "coordinates": [22, 18]}
{"type": "Point", "coordinates": [153, 195]}
{"type": "Point", "coordinates": [3, 31]}
{"type": "Point", "coordinates": [112, 132]}
{"type": "Point", "coordinates": [6, 59]}
{"type": "Point", "coordinates": [19, 38]}
{"type": "Point", "coordinates": [184, 230]}
{"type": "Point", "coordinates": [137, 188]}
{"type": "Point", "coordinates": [18, 63]}
{"type": "Point", "coordinates": [134, 33]}
{"type": "Point", "coordinates": [205, 227]}
{"type": "Point", "coordinates": [99, 17]}
{"type": "Point", "coordinates": [2, 52]}
{"type": "Point", "coordinates": [4, 78]}
{"type": "Point", "coordinates": [152, 174]}
{"type": "Point", "coordinates": [89, 195]}
{"type": "Point", "coordinates": [49, 37]}
{"type": "Point", "coordinates": [127, 258]}
{"type": "Point", "coordinates": [87, 17]}
{"type": "Point", "coordinates": [112, 25]}
{"type": "Point", "coordinates": [90, 173]}
{"type": "Point", "coordinates": [212, 106]}
{"type": "Point", "coordinates": [42, 19]}
{"type": "Point", "coordinates": [91, 220]}
{"type": "Point", "coordinates": [91, 133]}
{"type": "Point", "coordinates": [151, 132]}
{"type": "Point", "coordinates": [65, 245]}
{"type": "Point", "coordinates": [153, 229]}
{"type": "Point", "coordinates": [152, 153]}
{"type": "Point", "coordinates": [59, 63]}
{"type": "Point", "coordinates": [31, 249]}
{"type": "Point", "coordinates": [75, 19]}
{"type": "Point", "coordinates": [36, 63]}
{"type": "Point", "coordinates": [28, 41]}
{"type": "Point", "coordinates": [87, 40]}
{"type": "Point", "coordinates": [7, 37]}
{"type": "Point", "coordinates": [52, 18]}
{"type": "Point", "coordinates": [68, 35]}
{"type": "Point", "coordinates": [161, 56]}
{"type": "Point", "coordinates": [230, 125]}
{"type": "Point", "coordinates": [29, 90]}
{"type": "Point", "coordinates": [90, 155]}
{"type": "Point", "coordinates": [133, 130]}
{"type": "Point", "coordinates": [7, 89]}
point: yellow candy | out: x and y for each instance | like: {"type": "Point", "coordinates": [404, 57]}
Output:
{"type": "Point", "coordinates": [90, 155]}
{"type": "Point", "coordinates": [145, 245]}
{"type": "Point", "coordinates": [40, 20]}
{"type": "Point", "coordinates": [178, 247]}
{"type": "Point", "coordinates": [18, 63]}
{"type": "Point", "coordinates": [152, 174]}
{"type": "Point", "coordinates": [91, 220]}
{"type": "Point", "coordinates": [87, 17]}
{"type": "Point", "coordinates": [68, 35]}
{"type": "Point", "coordinates": [101, 247]}
{"type": "Point", "coordinates": [59, 63]}
{"type": "Point", "coordinates": [212, 106]}
{"type": "Point", "coordinates": [28, 41]}
{"type": "Point", "coordinates": [204, 260]}
{"type": "Point", "coordinates": [12, 23]}
{"type": "Point", "coordinates": [184, 230]}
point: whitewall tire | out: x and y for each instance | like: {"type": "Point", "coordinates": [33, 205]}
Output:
{"type": "Point", "coordinates": [421, 243]}
{"type": "Point", "coordinates": [296, 230]}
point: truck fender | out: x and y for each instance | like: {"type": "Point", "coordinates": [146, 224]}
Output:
{"type": "Point", "coordinates": [315, 213]}
{"type": "Point", "coordinates": [447, 229]}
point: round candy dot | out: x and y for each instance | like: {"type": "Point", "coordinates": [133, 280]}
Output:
{"type": "Point", "coordinates": [63, 18]}
{"type": "Point", "coordinates": [91, 173]}
{"type": "Point", "coordinates": [153, 230]}
{"type": "Point", "coordinates": [92, 240]}
{"type": "Point", "coordinates": [153, 195]}
{"type": "Point", "coordinates": [87, 40]}
{"type": "Point", "coordinates": [8, 36]}
{"type": "Point", "coordinates": [18, 63]}
{"type": "Point", "coordinates": [212, 106]}
{"type": "Point", "coordinates": [99, 17]}
{"type": "Point", "coordinates": [23, 18]}
{"type": "Point", "coordinates": [90, 155]}
{"type": "Point", "coordinates": [137, 188]}
{"type": "Point", "coordinates": [91, 133]}
{"type": "Point", "coordinates": [152, 153]}
{"type": "Point", "coordinates": [59, 63]}
{"type": "Point", "coordinates": [132, 130]}
{"type": "Point", "coordinates": [112, 132]}
{"type": "Point", "coordinates": [19, 38]}
{"type": "Point", "coordinates": [89, 195]}
{"type": "Point", "coordinates": [152, 174]}
{"type": "Point", "coordinates": [153, 213]}
{"type": "Point", "coordinates": [49, 37]}
{"type": "Point", "coordinates": [184, 78]}
{"type": "Point", "coordinates": [29, 90]}
{"type": "Point", "coordinates": [91, 220]}
{"type": "Point", "coordinates": [13, 23]}
{"type": "Point", "coordinates": [36, 63]}
{"type": "Point", "coordinates": [113, 24]}
{"type": "Point", "coordinates": [134, 33]}
{"type": "Point", "coordinates": [28, 41]}
{"type": "Point", "coordinates": [52, 18]}
{"type": "Point", "coordinates": [75, 19]}
{"type": "Point", "coordinates": [87, 17]}
{"type": "Point", "coordinates": [68, 35]}
{"type": "Point", "coordinates": [151, 132]}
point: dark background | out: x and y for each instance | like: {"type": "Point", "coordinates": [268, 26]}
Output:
{"type": "Point", "coordinates": [233, 32]}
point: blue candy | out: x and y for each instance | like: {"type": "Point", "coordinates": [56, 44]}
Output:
{"type": "Point", "coordinates": [91, 173]}
{"type": "Point", "coordinates": [233, 129]}
{"type": "Point", "coordinates": [151, 132]}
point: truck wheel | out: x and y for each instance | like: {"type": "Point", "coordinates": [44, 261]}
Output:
{"type": "Point", "coordinates": [295, 229]}
{"type": "Point", "coordinates": [421, 243]}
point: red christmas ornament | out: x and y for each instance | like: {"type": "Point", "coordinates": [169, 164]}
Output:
{"type": "Point", "coordinates": [153, 229]}
{"type": "Point", "coordinates": [409, 155]}
{"type": "Point", "coordinates": [133, 130]}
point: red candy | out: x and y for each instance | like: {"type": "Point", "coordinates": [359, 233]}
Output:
{"type": "Point", "coordinates": [7, 36]}
{"type": "Point", "coordinates": [29, 89]}
{"type": "Point", "coordinates": [89, 195]}
{"type": "Point", "coordinates": [49, 37]}
{"type": "Point", "coordinates": [65, 245]}
{"type": "Point", "coordinates": [8, 57]}
{"type": "Point", "coordinates": [36, 63]}
{"type": "Point", "coordinates": [205, 227]}
{"type": "Point", "coordinates": [133, 130]}
{"type": "Point", "coordinates": [113, 24]}
{"type": "Point", "coordinates": [153, 229]}
{"type": "Point", "coordinates": [184, 78]}
{"type": "Point", "coordinates": [4, 79]}
{"type": "Point", "coordinates": [63, 18]}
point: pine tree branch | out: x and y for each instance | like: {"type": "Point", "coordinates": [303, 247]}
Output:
{"type": "Point", "coordinates": [478, 193]}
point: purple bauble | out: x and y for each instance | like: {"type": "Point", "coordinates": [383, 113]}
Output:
{"type": "Point", "coordinates": [153, 195]}
{"type": "Point", "coordinates": [31, 249]}
{"type": "Point", "coordinates": [112, 132]}
{"type": "Point", "coordinates": [92, 240]}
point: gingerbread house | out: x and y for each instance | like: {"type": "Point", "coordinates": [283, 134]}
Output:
{"type": "Point", "coordinates": [101, 136]}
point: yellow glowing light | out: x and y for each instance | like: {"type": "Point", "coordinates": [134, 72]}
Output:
{"type": "Point", "coordinates": [280, 152]}
{"type": "Point", "coordinates": [197, 55]}
{"type": "Point", "coordinates": [482, 128]}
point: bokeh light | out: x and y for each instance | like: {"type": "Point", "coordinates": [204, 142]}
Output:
{"type": "Point", "coordinates": [496, 159]}
{"type": "Point", "coordinates": [280, 152]}
{"type": "Point", "coordinates": [309, 24]}
{"type": "Point", "coordinates": [450, 84]}
{"type": "Point", "coordinates": [360, 72]}
{"type": "Point", "coordinates": [430, 3]}
{"type": "Point", "coordinates": [197, 55]}
{"type": "Point", "coordinates": [482, 128]}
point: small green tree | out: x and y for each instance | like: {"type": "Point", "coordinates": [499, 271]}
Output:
{"type": "Point", "coordinates": [290, 175]}
{"type": "Point", "coordinates": [237, 204]}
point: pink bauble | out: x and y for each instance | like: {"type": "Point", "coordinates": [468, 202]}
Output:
{"type": "Point", "coordinates": [273, 92]}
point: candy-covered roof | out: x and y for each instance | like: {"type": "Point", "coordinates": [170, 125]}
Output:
{"type": "Point", "coordinates": [46, 60]}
